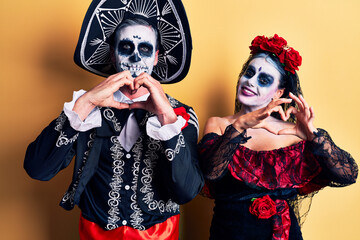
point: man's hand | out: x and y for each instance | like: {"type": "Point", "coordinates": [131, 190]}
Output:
{"type": "Point", "coordinates": [102, 95]}
{"type": "Point", "coordinates": [157, 102]}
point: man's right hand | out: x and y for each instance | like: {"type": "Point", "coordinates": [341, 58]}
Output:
{"type": "Point", "coordinates": [102, 95]}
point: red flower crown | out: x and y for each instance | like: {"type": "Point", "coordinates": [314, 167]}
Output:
{"type": "Point", "coordinates": [289, 57]}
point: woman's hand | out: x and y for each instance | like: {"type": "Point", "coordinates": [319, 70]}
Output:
{"type": "Point", "coordinates": [256, 119]}
{"type": "Point", "coordinates": [304, 127]}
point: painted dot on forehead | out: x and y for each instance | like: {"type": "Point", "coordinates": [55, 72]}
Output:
{"type": "Point", "coordinates": [260, 69]}
{"type": "Point", "coordinates": [136, 36]}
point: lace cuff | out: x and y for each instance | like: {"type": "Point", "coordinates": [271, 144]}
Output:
{"type": "Point", "coordinates": [338, 164]}
{"type": "Point", "coordinates": [217, 151]}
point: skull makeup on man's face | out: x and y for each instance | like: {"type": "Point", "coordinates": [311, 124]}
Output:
{"type": "Point", "coordinates": [135, 49]}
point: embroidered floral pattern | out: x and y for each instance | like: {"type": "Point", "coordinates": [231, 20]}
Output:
{"type": "Point", "coordinates": [60, 122]}
{"type": "Point", "coordinates": [150, 162]}
{"type": "Point", "coordinates": [170, 153]}
{"type": "Point", "coordinates": [115, 184]}
{"type": "Point", "coordinates": [143, 122]}
{"type": "Point", "coordinates": [173, 102]}
{"type": "Point", "coordinates": [64, 140]}
{"type": "Point", "coordinates": [109, 115]}
{"type": "Point", "coordinates": [136, 216]}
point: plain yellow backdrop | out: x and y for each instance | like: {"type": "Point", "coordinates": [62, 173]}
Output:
{"type": "Point", "coordinates": [38, 75]}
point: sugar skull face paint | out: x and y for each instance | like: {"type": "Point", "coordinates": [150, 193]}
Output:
{"type": "Point", "coordinates": [259, 84]}
{"type": "Point", "coordinates": [135, 49]}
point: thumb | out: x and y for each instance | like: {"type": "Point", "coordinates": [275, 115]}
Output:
{"type": "Point", "coordinates": [270, 129]}
{"type": "Point", "coordinates": [287, 131]}
{"type": "Point", "coordinates": [119, 105]}
{"type": "Point", "coordinates": [138, 105]}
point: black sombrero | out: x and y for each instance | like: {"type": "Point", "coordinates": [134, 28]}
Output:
{"type": "Point", "coordinates": [103, 16]}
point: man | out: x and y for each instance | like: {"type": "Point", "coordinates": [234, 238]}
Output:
{"type": "Point", "coordinates": [134, 146]}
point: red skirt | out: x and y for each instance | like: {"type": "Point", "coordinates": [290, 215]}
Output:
{"type": "Point", "coordinates": [168, 230]}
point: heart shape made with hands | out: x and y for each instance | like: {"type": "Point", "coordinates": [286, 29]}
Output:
{"type": "Point", "coordinates": [135, 88]}
{"type": "Point", "coordinates": [133, 91]}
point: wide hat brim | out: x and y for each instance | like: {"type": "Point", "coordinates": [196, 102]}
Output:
{"type": "Point", "coordinates": [103, 16]}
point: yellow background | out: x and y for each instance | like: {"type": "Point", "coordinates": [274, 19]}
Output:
{"type": "Point", "coordinates": [38, 75]}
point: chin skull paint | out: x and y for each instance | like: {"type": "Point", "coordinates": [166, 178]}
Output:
{"type": "Point", "coordinates": [135, 49]}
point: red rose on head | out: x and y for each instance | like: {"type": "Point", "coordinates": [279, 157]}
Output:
{"type": "Point", "coordinates": [278, 41]}
{"type": "Point", "coordinates": [255, 44]}
{"type": "Point", "coordinates": [275, 44]}
{"type": "Point", "coordinates": [278, 46]}
{"type": "Point", "coordinates": [263, 207]}
{"type": "Point", "coordinates": [292, 60]}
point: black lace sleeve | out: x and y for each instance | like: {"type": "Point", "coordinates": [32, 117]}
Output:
{"type": "Point", "coordinates": [338, 165]}
{"type": "Point", "coordinates": [215, 153]}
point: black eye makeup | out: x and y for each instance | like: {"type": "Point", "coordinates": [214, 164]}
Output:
{"type": "Point", "coordinates": [126, 47]}
{"type": "Point", "coordinates": [145, 49]}
{"type": "Point", "coordinates": [250, 72]}
{"type": "Point", "coordinates": [265, 80]}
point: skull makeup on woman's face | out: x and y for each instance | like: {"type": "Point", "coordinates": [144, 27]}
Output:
{"type": "Point", "coordinates": [135, 49]}
{"type": "Point", "coordinates": [259, 84]}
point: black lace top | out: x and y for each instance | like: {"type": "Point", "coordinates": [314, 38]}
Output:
{"type": "Point", "coordinates": [235, 174]}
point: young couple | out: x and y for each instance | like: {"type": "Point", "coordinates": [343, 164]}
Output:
{"type": "Point", "coordinates": [135, 148]}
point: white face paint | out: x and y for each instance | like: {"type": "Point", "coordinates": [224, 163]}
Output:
{"type": "Point", "coordinates": [259, 84]}
{"type": "Point", "coordinates": [135, 49]}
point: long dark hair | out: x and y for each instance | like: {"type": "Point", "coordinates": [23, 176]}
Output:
{"type": "Point", "coordinates": [288, 81]}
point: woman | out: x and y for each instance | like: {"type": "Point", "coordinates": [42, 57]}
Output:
{"type": "Point", "coordinates": [261, 162]}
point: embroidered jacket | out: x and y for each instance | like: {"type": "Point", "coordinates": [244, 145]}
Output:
{"type": "Point", "coordinates": [142, 187]}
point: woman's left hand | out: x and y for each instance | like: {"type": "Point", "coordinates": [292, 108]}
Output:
{"type": "Point", "coordinates": [304, 127]}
